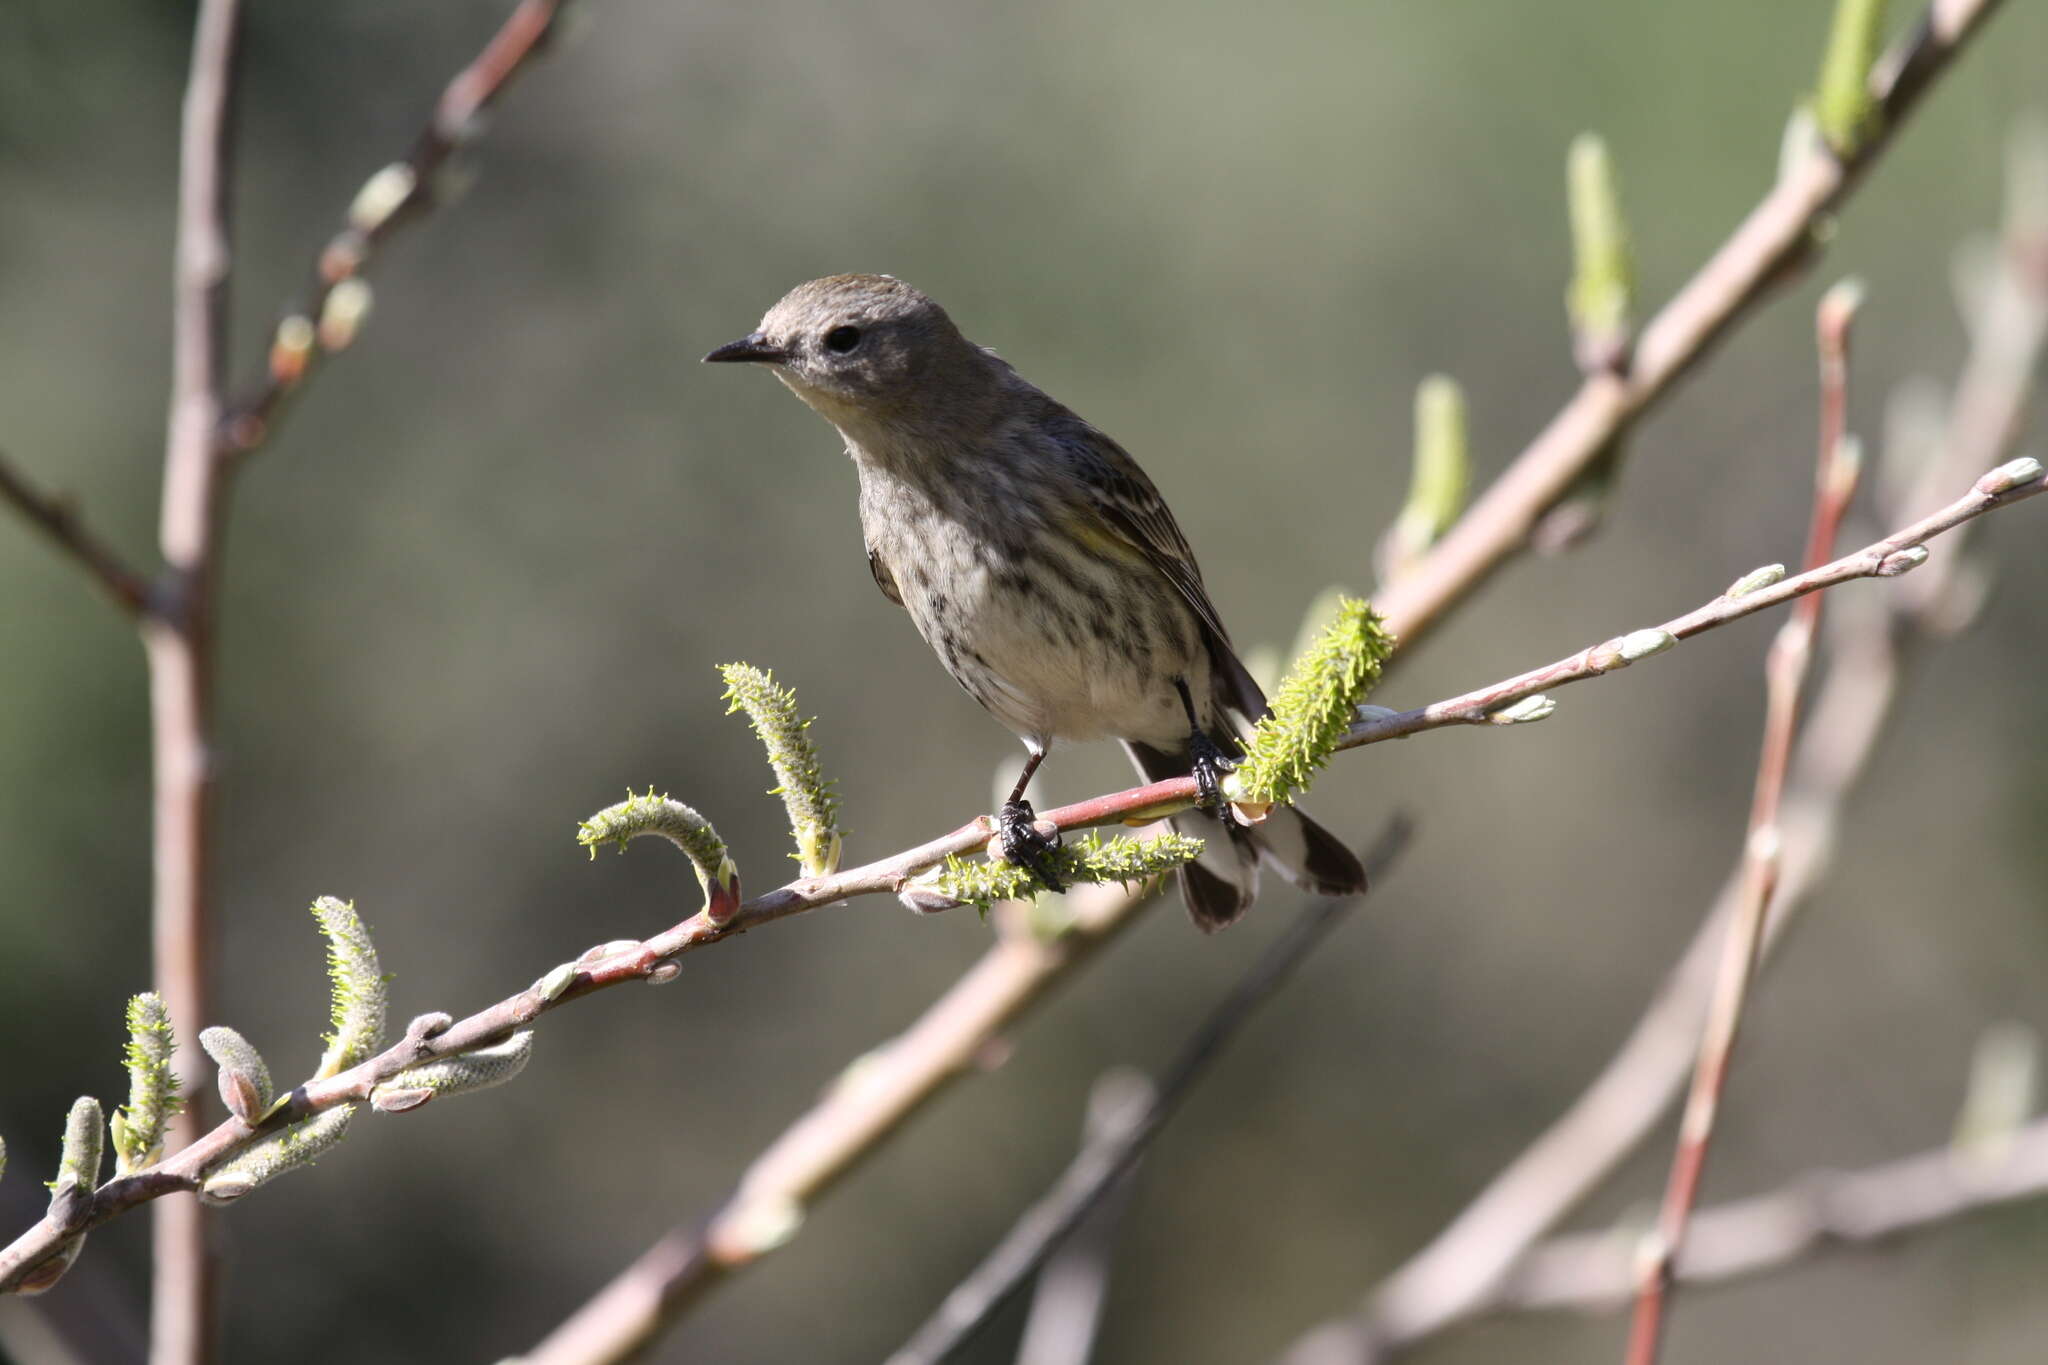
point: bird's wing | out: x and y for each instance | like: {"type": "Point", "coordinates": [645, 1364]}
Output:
{"type": "Point", "coordinates": [1131, 508]}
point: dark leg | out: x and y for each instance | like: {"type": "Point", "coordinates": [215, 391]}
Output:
{"type": "Point", "coordinates": [1209, 762]}
{"type": "Point", "coordinates": [1016, 824]}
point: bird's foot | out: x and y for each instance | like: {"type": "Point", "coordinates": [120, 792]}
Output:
{"type": "Point", "coordinates": [1023, 845]}
{"type": "Point", "coordinates": [1210, 765]}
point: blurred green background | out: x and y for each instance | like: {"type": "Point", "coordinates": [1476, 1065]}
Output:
{"type": "Point", "coordinates": [479, 584]}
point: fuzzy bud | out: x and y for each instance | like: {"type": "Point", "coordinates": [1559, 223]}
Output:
{"type": "Point", "coordinates": [681, 826]}
{"type": "Point", "coordinates": [266, 1160]}
{"type": "Point", "coordinates": [478, 1070]}
{"type": "Point", "coordinates": [244, 1078]}
{"type": "Point", "coordinates": [356, 988]}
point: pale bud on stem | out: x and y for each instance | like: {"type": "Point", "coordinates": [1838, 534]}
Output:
{"type": "Point", "coordinates": [244, 1077]}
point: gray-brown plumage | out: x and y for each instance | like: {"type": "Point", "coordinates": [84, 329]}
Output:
{"type": "Point", "coordinates": [1037, 560]}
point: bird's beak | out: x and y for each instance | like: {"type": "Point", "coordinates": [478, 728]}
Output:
{"type": "Point", "coordinates": [752, 347]}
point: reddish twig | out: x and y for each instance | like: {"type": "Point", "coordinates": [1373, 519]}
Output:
{"type": "Point", "coordinates": [1786, 669]}
{"type": "Point", "coordinates": [1460, 1273]}
{"type": "Point", "coordinates": [58, 519]}
{"type": "Point", "coordinates": [1895, 554]}
{"type": "Point", "coordinates": [1777, 235]}
{"type": "Point", "coordinates": [1596, 1271]}
{"type": "Point", "coordinates": [1810, 1214]}
{"type": "Point", "coordinates": [395, 195]}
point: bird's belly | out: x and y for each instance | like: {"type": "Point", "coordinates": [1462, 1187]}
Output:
{"type": "Point", "coordinates": [1089, 656]}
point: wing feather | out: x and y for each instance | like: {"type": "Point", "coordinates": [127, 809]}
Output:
{"type": "Point", "coordinates": [1129, 505]}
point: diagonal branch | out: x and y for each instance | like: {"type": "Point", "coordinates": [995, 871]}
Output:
{"type": "Point", "coordinates": [58, 519]}
{"type": "Point", "coordinates": [1895, 554]}
{"type": "Point", "coordinates": [406, 189]}
{"type": "Point", "coordinates": [1778, 234]}
{"type": "Point", "coordinates": [1811, 1214]}
{"type": "Point", "coordinates": [1096, 1170]}
{"type": "Point", "coordinates": [1819, 1211]}
{"type": "Point", "coordinates": [1072, 1288]}
{"type": "Point", "coordinates": [1462, 1267]}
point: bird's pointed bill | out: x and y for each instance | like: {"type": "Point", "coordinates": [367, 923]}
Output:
{"type": "Point", "coordinates": [751, 347]}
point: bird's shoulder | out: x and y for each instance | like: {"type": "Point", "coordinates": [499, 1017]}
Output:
{"type": "Point", "coordinates": [1119, 501]}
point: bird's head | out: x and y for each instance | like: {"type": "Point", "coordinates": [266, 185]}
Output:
{"type": "Point", "coordinates": [862, 348]}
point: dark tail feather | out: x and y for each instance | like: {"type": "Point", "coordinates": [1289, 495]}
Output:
{"type": "Point", "coordinates": [1308, 855]}
{"type": "Point", "coordinates": [1217, 887]}
{"type": "Point", "coordinates": [1220, 886]}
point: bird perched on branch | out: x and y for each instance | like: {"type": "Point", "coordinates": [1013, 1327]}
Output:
{"type": "Point", "coordinates": [1043, 567]}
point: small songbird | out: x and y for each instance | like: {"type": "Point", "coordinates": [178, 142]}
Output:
{"type": "Point", "coordinates": [1039, 562]}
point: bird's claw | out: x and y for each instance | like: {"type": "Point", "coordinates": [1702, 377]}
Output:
{"type": "Point", "coordinates": [1023, 845]}
{"type": "Point", "coordinates": [1210, 765]}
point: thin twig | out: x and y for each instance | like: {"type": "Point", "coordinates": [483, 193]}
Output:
{"type": "Point", "coordinates": [178, 642]}
{"type": "Point", "coordinates": [1777, 235]}
{"type": "Point", "coordinates": [1770, 1231]}
{"type": "Point", "coordinates": [58, 519]}
{"type": "Point", "coordinates": [397, 194]}
{"type": "Point", "coordinates": [1819, 1211]}
{"type": "Point", "coordinates": [1084, 1183]}
{"type": "Point", "coordinates": [1882, 559]}
{"type": "Point", "coordinates": [1786, 668]}
{"type": "Point", "coordinates": [1461, 1268]}
{"type": "Point", "coordinates": [1068, 1297]}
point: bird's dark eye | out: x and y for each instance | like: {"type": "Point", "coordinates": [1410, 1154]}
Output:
{"type": "Point", "coordinates": [842, 339]}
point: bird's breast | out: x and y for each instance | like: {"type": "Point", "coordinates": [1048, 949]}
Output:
{"type": "Point", "coordinates": [1056, 637]}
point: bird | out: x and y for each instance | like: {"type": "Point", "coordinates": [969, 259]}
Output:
{"type": "Point", "coordinates": [1042, 567]}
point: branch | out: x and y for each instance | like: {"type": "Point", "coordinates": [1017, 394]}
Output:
{"type": "Point", "coordinates": [177, 639]}
{"type": "Point", "coordinates": [1822, 1210]}
{"type": "Point", "coordinates": [406, 189]}
{"type": "Point", "coordinates": [1785, 668]}
{"type": "Point", "coordinates": [1461, 1268]}
{"type": "Point", "coordinates": [1776, 236]}
{"type": "Point", "coordinates": [1768, 1232]}
{"type": "Point", "coordinates": [58, 519]}
{"type": "Point", "coordinates": [870, 1100]}
{"type": "Point", "coordinates": [1896, 554]}
{"type": "Point", "coordinates": [176, 619]}
{"type": "Point", "coordinates": [1102, 1162]}
{"type": "Point", "coordinates": [1067, 1300]}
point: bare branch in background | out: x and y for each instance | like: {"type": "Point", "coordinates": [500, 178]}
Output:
{"type": "Point", "coordinates": [1777, 235]}
{"type": "Point", "coordinates": [331, 314]}
{"type": "Point", "coordinates": [1812, 1214]}
{"type": "Point", "coordinates": [58, 519]}
{"type": "Point", "coordinates": [1897, 553]}
{"type": "Point", "coordinates": [1068, 1298]}
{"type": "Point", "coordinates": [868, 1102]}
{"type": "Point", "coordinates": [1816, 1213]}
{"type": "Point", "coordinates": [1460, 1269]}
{"type": "Point", "coordinates": [1102, 1163]}
{"type": "Point", "coordinates": [1838, 470]}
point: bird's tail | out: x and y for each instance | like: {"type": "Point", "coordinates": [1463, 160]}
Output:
{"type": "Point", "coordinates": [1220, 885]}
